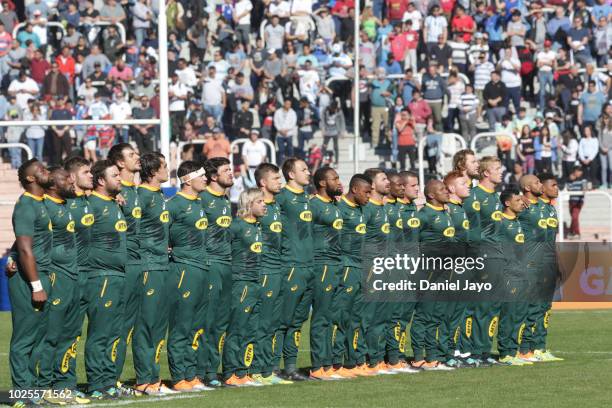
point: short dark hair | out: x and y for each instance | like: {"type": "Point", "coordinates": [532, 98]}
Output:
{"type": "Point", "coordinates": [98, 170]}
{"type": "Point", "coordinates": [150, 164]}
{"type": "Point", "coordinates": [262, 170]}
{"type": "Point", "coordinates": [408, 173]}
{"type": "Point", "coordinates": [74, 163]}
{"type": "Point", "coordinates": [187, 167]}
{"type": "Point", "coordinates": [212, 166]}
{"type": "Point", "coordinates": [22, 172]}
{"type": "Point", "coordinates": [358, 179]}
{"type": "Point", "coordinates": [320, 175]}
{"type": "Point", "coordinates": [392, 173]}
{"type": "Point", "coordinates": [373, 172]}
{"type": "Point", "coordinates": [507, 194]}
{"type": "Point", "coordinates": [544, 177]}
{"type": "Point", "coordinates": [115, 154]}
{"type": "Point", "coordinates": [289, 166]}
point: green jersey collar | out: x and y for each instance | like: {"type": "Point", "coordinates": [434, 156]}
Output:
{"type": "Point", "coordinates": [434, 207]}
{"type": "Point", "coordinates": [101, 196]}
{"type": "Point", "coordinates": [55, 200]}
{"type": "Point", "coordinates": [34, 197]}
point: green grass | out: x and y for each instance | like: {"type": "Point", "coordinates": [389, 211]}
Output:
{"type": "Point", "coordinates": [583, 338]}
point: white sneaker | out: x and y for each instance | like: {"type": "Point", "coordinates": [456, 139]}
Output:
{"type": "Point", "coordinates": [164, 390]}
{"type": "Point", "coordinates": [437, 367]}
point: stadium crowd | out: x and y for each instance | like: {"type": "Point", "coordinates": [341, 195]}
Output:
{"type": "Point", "coordinates": [537, 70]}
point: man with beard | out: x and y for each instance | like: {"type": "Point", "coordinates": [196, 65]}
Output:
{"type": "Point", "coordinates": [152, 321]}
{"type": "Point", "coordinates": [268, 179]}
{"type": "Point", "coordinates": [297, 254]}
{"type": "Point", "coordinates": [459, 189]}
{"type": "Point", "coordinates": [105, 271]}
{"type": "Point", "coordinates": [486, 313]}
{"type": "Point", "coordinates": [217, 209]}
{"type": "Point", "coordinates": [465, 161]}
{"type": "Point", "coordinates": [80, 171]}
{"type": "Point", "coordinates": [326, 227]}
{"type": "Point", "coordinates": [189, 278]}
{"type": "Point", "coordinates": [127, 161]}
{"type": "Point", "coordinates": [349, 351]}
{"type": "Point", "coordinates": [436, 234]}
{"type": "Point", "coordinates": [29, 284]}
{"type": "Point", "coordinates": [550, 192]}
{"type": "Point", "coordinates": [59, 346]}
{"type": "Point", "coordinates": [376, 314]}
{"type": "Point", "coordinates": [394, 331]}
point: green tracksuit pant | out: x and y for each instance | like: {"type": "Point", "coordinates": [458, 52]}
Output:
{"type": "Point", "coordinates": [217, 316]}
{"type": "Point", "coordinates": [425, 330]}
{"type": "Point", "coordinates": [59, 345]}
{"type": "Point", "coordinates": [270, 306]}
{"type": "Point", "coordinates": [187, 289]}
{"type": "Point", "coordinates": [151, 326]}
{"type": "Point", "coordinates": [296, 290]}
{"type": "Point", "coordinates": [131, 309]}
{"type": "Point", "coordinates": [103, 295]}
{"type": "Point", "coordinates": [239, 347]}
{"type": "Point", "coordinates": [321, 322]}
{"type": "Point", "coordinates": [538, 315]}
{"type": "Point", "coordinates": [485, 316]}
{"type": "Point", "coordinates": [512, 319]}
{"type": "Point", "coordinates": [348, 342]}
{"type": "Point", "coordinates": [77, 329]}
{"type": "Point", "coordinates": [397, 332]}
{"type": "Point", "coordinates": [29, 328]}
{"type": "Point", "coordinates": [450, 332]}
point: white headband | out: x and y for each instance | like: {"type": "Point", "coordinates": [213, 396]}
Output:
{"type": "Point", "coordinates": [192, 175]}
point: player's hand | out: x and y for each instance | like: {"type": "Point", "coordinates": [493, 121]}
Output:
{"type": "Point", "coordinates": [39, 298]}
{"type": "Point", "coordinates": [11, 268]}
{"type": "Point", "coordinates": [120, 200]}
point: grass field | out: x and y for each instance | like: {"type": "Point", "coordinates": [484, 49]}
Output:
{"type": "Point", "coordinates": [583, 338]}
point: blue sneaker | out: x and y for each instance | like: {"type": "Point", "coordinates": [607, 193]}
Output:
{"type": "Point", "coordinates": [214, 384]}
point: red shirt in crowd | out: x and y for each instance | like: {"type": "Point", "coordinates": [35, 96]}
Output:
{"type": "Point", "coordinates": [405, 132]}
{"type": "Point", "coordinates": [420, 111]}
{"type": "Point", "coordinates": [5, 43]}
{"type": "Point", "coordinates": [39, 69]}
{"type": "Point", "coordinates": [398, 47]}
{"type": "Point", "coordinates": [447, 6]}
{"type": "Point", "coordinates": [66, 66]}
{"type": "Point", "coordinates": [396, 9]}
{"type": "Point", "coordinates": [462, 23]}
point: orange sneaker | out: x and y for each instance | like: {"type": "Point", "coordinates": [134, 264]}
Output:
{"type": "Point", "coordinates": [344, 372]}
{"type": "Point", "coordinates": [321, 374]}
{"type": "Point", "coordinates": [148, 389]}
{"type": "Point", "coordinates": [382, 368]}
{"type": "Point", "coordinates": [363, 371]}
{"type": "Point", "coordinates": [183, 386]}
{"type": "Point", "coordinates": [235, 381]}
{"type": "Point", "coordinates": [417, 364]}
{"type": "Point", "coordinates": [529, 356]}
{"type": "Point", "coordinates": [198, 385]}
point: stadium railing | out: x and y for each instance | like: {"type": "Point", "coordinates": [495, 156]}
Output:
{"type": "Point", "coordinates": [478, 136]}
{"type": "Point", "coordinates": [422, 144]}
{"type": "Point", "coordinates": [48, 24]}
{"type": "Point", "coordinates": [564, 196]}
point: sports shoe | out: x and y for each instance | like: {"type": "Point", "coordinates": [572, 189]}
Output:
{"type": "Point", "coordinates": [454, 363]}
{"type": "Point", "coordinates": [529, 356]}
{"type": "Point", "coordinates": [382, 368]}
{"type": "Point", "coordinates": [251, 382]}
{"type": "Point", "coordinates": [492, 361]}
{"type": "Point", "coordinates": [149, 389]}
{"type": "Point", "coordinates": [417, 364]}
{"type": "Point", "coordinates": [183, 386]}
{"type": "Point", "coordinates": [126, 391]}
{"type": "Point", "coordinates": [472, 362]}
{"type": "Point", "coordinates": [344, 372]}
{"type": "Point", "coordinates": [214, 384]}
{"type": "Point", "coordinates": [321, 374]}
{"type": "Point", "coordinates": [294, 376]}
{"type": "Point", "coordinates": [235, 381]}
{"type": "Point", "coordinates": [363, 371]}
{"type": "Point", "coordinates": [260, 379]}
{"type": "Point", "coordinates": [165, 390]}
{"type": "Point", "coordinates": [436, 366]}
{"type": "Point", "coordinates": [513, 361]}
{"type": "Point", "coordinates": [274, 379]}
{"type": "Point", "coordinates": [198, 385]}
{"type": "Point", "coordinates": [24, 404]}
{"type": "Point", "coordinates": [402, 367]}
{"type": "Point", "coordinates": [545, 356]}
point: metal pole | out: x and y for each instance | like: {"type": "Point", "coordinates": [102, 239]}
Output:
{"type": "Point", "coordinates": [356, 130]}
{"type": "Point", "coordinates": [164, 115]}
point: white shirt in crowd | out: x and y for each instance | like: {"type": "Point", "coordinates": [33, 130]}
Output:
{"type": "Point", "coordinates": [179, 90]}
{"type": "Point", "coordinates": [588, 148]}
{"type": "Point", "coordinates": [121, 111]}
{"type": "Point", "coordinates": [309, 84]}
{"type": "Point", "coordinates": [482, 74]}
{"type": "Point", "coordinates": [435, 27]}
{"type": "Point", "coordinates": [286, 120]}
{"type": "Point", "coordinates": [570, 151]}
{"type": "Point", "coordinates": [255, 152]}
{"type": "Point", "coordinates": [282, 9]}
{"type": "Point", "coordinates": [455, 90]}
{"type": "Point", "coordinates": [510, 75]}
{"type": "Point", "coordinates": [22, 91]}
{"type": "Point", "coordinates": [301, 6]}
{"type": "Point", "coordinates": [414, 16]}
{"type": "Point", "coordinates": [547, 58]}
{"type": "Point", "coordinates": [241, 7]}
{"type": "Point", "coordinates": [187, 77]}
{"type": "Point", "coordinates": [212, 92]}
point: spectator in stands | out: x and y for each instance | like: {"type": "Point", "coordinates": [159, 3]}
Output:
{"type": "Point", "coordinates": [243, 120]}
{"type": "Point", "coordinates": [545, 147]}
{"type": "Point", "coordinates": [120, 109]}
{"type": "Point", "coordinates": [333, 127]}
{"type": "Point", "coordinates": [588, 149]}
{"type": "Point", "coordinates": [285, 123]}
{"type": "Point", "coordinates": [213, 94]}
{"type": "Point", "coordinates": [434, 89]}
{"type": "Point", "coordinates": [254, 152]}
{"type": "Point", "coordinates": [13, 135]}
{"type": "Point", "coordinates": [96, 56]}
{"type": "Point", "coordinates": [576, 183]}
{"type": "Point", "coordinates": [421, 113]}
{"type": "Point", "coordinates": [604, 131]}
{"type": "Point", "coordinates": [217, 145]}
{"type": "Point", "coordinates": [469, 106]}
{"type": "Point", "coordinates": [591, 105]}
{"type": "Point", "coordinates": [55, 83]}
{"type": "Point", "coordinates": [24, 88]}
{"type": "Point", "coordinates": [177, 93]}
{"type": "Point", "coordinates": [60, 134]}
{"type": "Point", "coordinates": [435, 26]}
{"type": "Point", "coordinates": [380, 95]}
{"type": "Point", "coordinates": [144, 135]}
{"type": "Point", "coordinates": [8, 17]}
{"type": "Point", "coordinates": [578, 41]}
{"type": "Point", "coordinates": [406, 143]}
{"type": "Point", "coordinates": [525, 150]}
{"type": "Point", "coordinates": [494, 94]}
{"type": "Point", "coordinates": [121, 71]}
